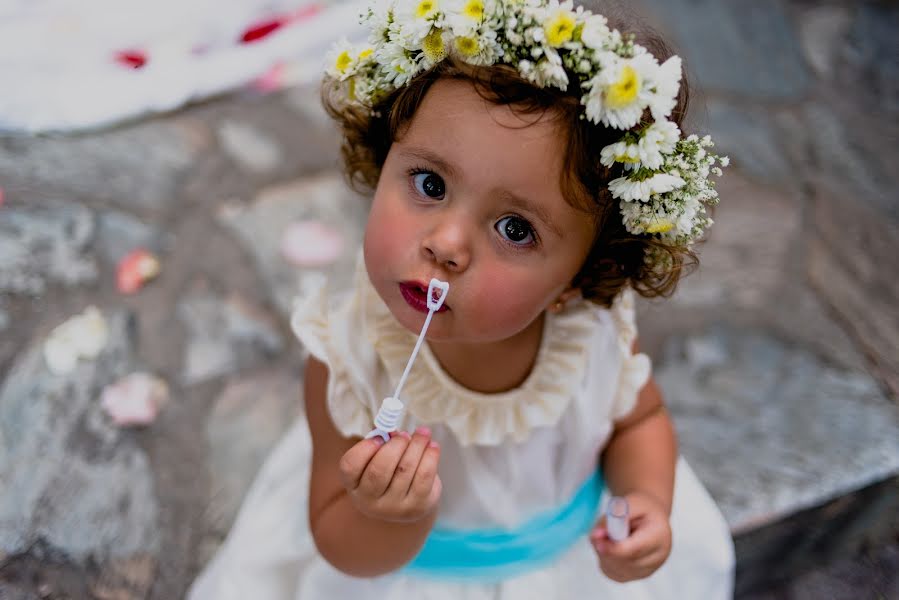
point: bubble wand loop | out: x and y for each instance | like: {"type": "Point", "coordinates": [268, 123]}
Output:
{"type": "Point", "coordinates": [391, 410]}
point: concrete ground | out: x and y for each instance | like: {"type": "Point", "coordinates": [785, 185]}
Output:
{"type": "Point", "coordinates": [777, 357]}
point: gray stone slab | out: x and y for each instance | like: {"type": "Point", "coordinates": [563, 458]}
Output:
{"type": "Point", "coordinates": [261, 224]}
{"type": "Point", "coordinates": [70, 479]}
{"type": "Point", "coordinates": [249, 147]}
{"type": "Point", "coordinates": [136, 165]}
{"type": "Point", "coordinates": [753, 139]}
{"type": "Point", "coordinates": [772, 429]}
{"type": "Point", "coordinates": [844, 156]}
{"type": "Point", "coordinates": [822, 31]}
{"type": "Point", "coordinates": [225, 335]}
{"type": "Point", "coordinates": [747, 48]}
{"type": "Point", "coordinates": [747, 257]}
{"type": "Point", "coordinates": [119, 233]}
{"type": "Point", "coordinates": [872, 49]}
{"type": "Point", "coordinates": [845, 264]}
{"type": "Point", "coordinates": [45, 242]}
{"type": "Point", "coordinates": [248, 418]}
{"type": "Point", "coordinates": [14, 592]}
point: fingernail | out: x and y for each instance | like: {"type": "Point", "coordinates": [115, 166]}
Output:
{"type": "Point", "coordinates": [405, 434]}
{"type": "Point", "coordinates": [378, 440]}
{"type": "Point", "coordinates": [426, 431]}
{"type": "Point", "coordinates": [433, 444]}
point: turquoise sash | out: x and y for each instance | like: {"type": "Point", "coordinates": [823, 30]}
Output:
{"type": "Point", "coordinates": [495, 554]}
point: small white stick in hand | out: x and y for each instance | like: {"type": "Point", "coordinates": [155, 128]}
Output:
{"type": "Point", "coordinates": [388, 417]}
{"type": "Point", "coordinates": [617, 517]}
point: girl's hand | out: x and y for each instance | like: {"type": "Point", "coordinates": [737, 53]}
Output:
{"type": "Point", "coordinates": [394, 481]}
{"type": "Point", "coordinates": [644, 550]}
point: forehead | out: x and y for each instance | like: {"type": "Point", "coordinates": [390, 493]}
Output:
{"type": "Point", "coordinates": [490, 144]}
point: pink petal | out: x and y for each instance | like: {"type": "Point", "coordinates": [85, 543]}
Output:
{"type": "Point", "coordinates": [136, 399]}
{"type": "Point", "coordinates": [136, 268]}
{"type": "Point", "coordinates": [311, 244]}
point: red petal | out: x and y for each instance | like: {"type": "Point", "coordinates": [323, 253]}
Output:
{"type": "Point", "coordinates": [261, 30]}
{"type": "Point", "coordinates": [134, 59]}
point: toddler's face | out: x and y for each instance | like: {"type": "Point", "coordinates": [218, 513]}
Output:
{"type": "Point", "coordinates": [471, 194]}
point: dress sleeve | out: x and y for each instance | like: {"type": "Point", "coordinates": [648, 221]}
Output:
{"type": "Point", "coordinates": [319, 325]}
{"type": "Point", "coordinates": [635, 367]}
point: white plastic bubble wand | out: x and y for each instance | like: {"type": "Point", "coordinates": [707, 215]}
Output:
{"type": "Point", "coordinates": [617, 517]}
{"type": "Point", "coordinates": [391, 410]}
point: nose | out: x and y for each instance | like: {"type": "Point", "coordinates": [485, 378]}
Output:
{"type": "Point", "coordinates": [448, 244]}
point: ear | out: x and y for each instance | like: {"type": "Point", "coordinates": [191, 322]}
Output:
{"type": "Point", "coordinates": [569, 294]}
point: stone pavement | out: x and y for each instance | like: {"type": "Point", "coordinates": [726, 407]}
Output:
{"type": "Point", "coordinates": [778, 357]}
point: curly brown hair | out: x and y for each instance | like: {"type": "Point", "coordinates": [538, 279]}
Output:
{"type": "Point", "coordinates": [617, 258]}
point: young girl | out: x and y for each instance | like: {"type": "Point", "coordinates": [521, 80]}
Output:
{"type": "Point", "coordinates": [530, 155]}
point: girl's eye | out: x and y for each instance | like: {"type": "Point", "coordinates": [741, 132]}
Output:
{"type": "Point", "coordinates": [516, 230]}
{"type": "Point", "coordinates": [429, 184]}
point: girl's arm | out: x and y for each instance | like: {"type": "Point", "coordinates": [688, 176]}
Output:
{"type": "Point", "coordinates": [641, 455]}
{"type": "Point", "coordinates": [639, 463]}
{"type": "Point", "coordinates": [353, 542]}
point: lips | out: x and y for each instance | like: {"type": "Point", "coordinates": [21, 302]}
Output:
{"type": "Point", "coordinates": [415, 293]}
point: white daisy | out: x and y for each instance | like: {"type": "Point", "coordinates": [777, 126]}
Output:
{"type": "Point", "coordinates": [397, 67]}
{"type": "Point", "coordinates": [618, 94]}
{"type": "Point", "coordinates": [465, 16]}
{"type": "Point", "coordinates": [559, 27]}
{"type": "Point", "coordinates": [620, 152]}
{"type": "Point", "coordinates": [630, 189]}
{"type": "Point", "coordinates": [664, 84]}
{"type": "Point", "coordinates": [414, 21]}
{"type": "Point", "coordinates": [595, 34]}
{"type": "Point", "coordinates": [659, 139]}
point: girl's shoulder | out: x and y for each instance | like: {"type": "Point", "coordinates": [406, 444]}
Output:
{"type": "Point", "coordinates": [330, 325]}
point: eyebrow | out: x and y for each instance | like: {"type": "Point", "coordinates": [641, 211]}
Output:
{"type": "Point", "coordinates": [513, 199]}
{"type": "Point", "coordinates": [532, 207]}
{"type": "Point", "coordinates": [430, 157]}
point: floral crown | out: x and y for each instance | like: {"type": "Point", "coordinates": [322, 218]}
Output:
{"type": "Point", "coordinates": [664, 188]}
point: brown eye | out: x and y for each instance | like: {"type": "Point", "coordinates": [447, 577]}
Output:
{"type": "Point", "coordinates": [430, 185]}
{"type": "Point", "coordinates": [516, 230]}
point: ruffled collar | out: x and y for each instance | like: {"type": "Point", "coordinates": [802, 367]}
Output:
{"type": "Point", "coordinates": [433, 397]}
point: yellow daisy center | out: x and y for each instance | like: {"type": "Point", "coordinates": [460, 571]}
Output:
{"type": "Point", "coordinates": [425, 9]}
{"type": "Point", "coordinates": [433, 46]}
{"type": "Point", "coordinates": [474, 9]}
{"type": "Point", "coordinates": [625, 90]}
{"type": "Point", "coordinates": [467, 46]}
{"type": "Point", "coordinates": [659, 227]}
{"type": "Point", "coordinates": [365, 53]}
{"type": "Point", "coordinates": [626, 158]}
{"type": "Point", "coordinates": [559, 29]}
{"type": "Point", "coordinates": [343, 61]}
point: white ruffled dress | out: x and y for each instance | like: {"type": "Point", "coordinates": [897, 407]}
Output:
{"type": "Point", "coordinates": [505, 458]}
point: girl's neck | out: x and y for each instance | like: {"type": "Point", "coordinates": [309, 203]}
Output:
{"type": "Point", "coordinates": [494, 367]}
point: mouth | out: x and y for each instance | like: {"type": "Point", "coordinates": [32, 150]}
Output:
{"type": "Point", "coordinates": [415, 293]}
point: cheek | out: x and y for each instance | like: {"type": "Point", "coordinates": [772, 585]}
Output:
{"type": "Point", "coordinates": [388, 233]}
{"type": "Point", "coordinates": [510, 302]}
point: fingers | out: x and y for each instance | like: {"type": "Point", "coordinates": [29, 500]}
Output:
{"type": "Point", "coordinates": [643, 551]}
{"type": "Point", "coordinates": [355, 460]}
{"type": "Point", "coordinates": [426, 486]}
{"type": "Point", "coordinates": [377, 475]}
{"type": "Point", "coordinates": [408, 464]}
